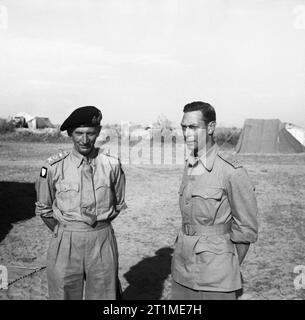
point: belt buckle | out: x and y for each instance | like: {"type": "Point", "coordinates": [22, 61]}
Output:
{"type": "Point", "coordinates": [188, 230]}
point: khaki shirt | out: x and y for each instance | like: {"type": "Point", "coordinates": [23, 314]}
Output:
{"type": "Point", "coordinates": [214, 191]}
{"type": "Point", "coordinates": [59, 187]}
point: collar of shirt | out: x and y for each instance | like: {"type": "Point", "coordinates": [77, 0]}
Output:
{"type": "Point", "coordinates": [206, 159]}
{"type": "Point", "coordinates": [78, 158]}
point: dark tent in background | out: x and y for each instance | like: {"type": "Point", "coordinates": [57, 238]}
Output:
{"type": "Point", "coordinates": [267, 136]}
{"type": "Point", "coordinates": [40, 123]}
{"type": "Point", "coordinates": [25, 120]}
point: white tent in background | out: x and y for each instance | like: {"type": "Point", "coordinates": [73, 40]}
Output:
{"type": "Point", "coordinates": [296, 131]}
{"type": "Point", "coordinates": [25, 120]}
{"type": "Point", "coordinates": [20, 115]}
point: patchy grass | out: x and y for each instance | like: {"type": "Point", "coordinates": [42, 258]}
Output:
{"type": "Point", "coordinates": [48, 135]}
{"type": "Point", "coordinates": [147, 230]}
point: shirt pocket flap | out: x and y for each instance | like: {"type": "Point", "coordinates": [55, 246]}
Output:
{"type": "Point", "coordinates": [64, 187]}
{"type": "Point", "coordinates": [208, 193]}
{"type": "Point", "coordinates": [217, 247]}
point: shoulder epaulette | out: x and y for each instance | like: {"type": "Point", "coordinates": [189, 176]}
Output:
{"type": "Point", "coordinates": [57, 157]}
{"type": "Point", "coordinates": [231, 161]}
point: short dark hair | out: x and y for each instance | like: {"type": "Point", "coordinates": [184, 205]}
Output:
{"type": "Point", "coordinates": [208, 112]}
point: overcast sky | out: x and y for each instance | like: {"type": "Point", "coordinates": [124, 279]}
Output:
{"type": "Point", "coordinates": [135, 59]}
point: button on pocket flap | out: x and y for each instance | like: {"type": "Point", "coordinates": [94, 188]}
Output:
{"type": "Point", "coordinates": [208, 193]}
{"type": "Point", "coordinates": [64, 186]}
{"type": "Point", "coordinates": [215, 246]}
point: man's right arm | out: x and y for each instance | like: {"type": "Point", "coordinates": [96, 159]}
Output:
{"type": "Point", "coordinates": [45, 196]}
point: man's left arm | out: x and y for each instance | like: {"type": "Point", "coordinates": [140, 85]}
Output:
{"type": "Point", "coordinates": [243, 205]}
{"type": "Point", "coordinates": [119, 187]}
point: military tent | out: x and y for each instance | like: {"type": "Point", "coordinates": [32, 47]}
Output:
{"type": "Point", "coordinates": [40, 123]}
{"type": "Point", "coordinates": [20, 119]}
{"type": "Point", "coordinates": [27, 117]}
{"type": "Point", "coordinates": [267, 136]}
{"type": "Point", "coordinates": [297, 132]}
{"type": "Point", "coordinates": [25, 120]}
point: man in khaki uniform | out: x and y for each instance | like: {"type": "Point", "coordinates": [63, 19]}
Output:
{"type": "Point", "coordinates": [219, 215]}
{"type": "Point", "coordinates": [79, 193]}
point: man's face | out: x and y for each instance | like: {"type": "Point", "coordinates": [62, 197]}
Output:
{"type": "Point", "coordinates": [194, 130]}
{"type": "Point", "coordinates": [84, 139]}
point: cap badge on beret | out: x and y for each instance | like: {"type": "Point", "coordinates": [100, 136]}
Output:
{"type": "Point", "coordinates": [97, 120]}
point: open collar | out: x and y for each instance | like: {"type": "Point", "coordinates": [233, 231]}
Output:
{"type": "Point", "coordinates": [207, 159]}
{"type": "Point", "coordinates": [78, 158]}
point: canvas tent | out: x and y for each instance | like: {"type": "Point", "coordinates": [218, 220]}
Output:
{"type": "Point", "coordinates": [20, 119]}
{"type": "Point", "coordinates": [267, 136]}
{"type": "Point", "coordinates": [40, 123]}
{"type": "Point", "coordinates": [25, 120]}
{"type": "Point", "coordinates": [27, 117]}
{"type": "Point", "coordinates": [297, 132]}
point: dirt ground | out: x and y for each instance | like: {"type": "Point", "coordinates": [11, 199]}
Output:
{"type": "Point", "coordinates": [147, 230]}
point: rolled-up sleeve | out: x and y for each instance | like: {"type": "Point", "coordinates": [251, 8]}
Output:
{"type": "Point", "coordinates": [119, 187]}
{"type": "Point", "coordinates": [45, 192]}
{"type": "Point", "coordinates": [243, 205]}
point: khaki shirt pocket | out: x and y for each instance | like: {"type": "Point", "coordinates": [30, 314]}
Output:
{"type": "Point", "coordinates": [208, 193]}
{"type": "Point", "coordinates": [216, 263]}
{"type": "Point", "coordinates": [67, 196]}
{"type": "Point", "coordinates": [104, 195]}
{"type": "Point", "coordinates": [206, 201]}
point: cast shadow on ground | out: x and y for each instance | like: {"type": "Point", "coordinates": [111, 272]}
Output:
{"type": "Point", "coordinates": [147, 277]}
{"type": "Point", "coordinates": [17, 202]}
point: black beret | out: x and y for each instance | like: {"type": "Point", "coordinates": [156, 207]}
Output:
{"type": "Point", "coordinates": [83, 117]}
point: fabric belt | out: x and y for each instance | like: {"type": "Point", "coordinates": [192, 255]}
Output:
{"type": "Point", "coordinates": [82, 226]}
{"type": "Point", "coordinates": [197, 230]}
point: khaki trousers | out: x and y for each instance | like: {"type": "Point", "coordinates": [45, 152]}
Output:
{"type": "Point", "coordinates": [82, 262]}
{"type": "Point", "coordinates": [180, 292]}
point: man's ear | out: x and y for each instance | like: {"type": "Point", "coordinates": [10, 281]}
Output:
{"type": "Point", "coordinates": [211, 127]}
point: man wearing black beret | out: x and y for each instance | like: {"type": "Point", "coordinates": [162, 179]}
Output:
{"type": "Point", "coordinates": [79, 193]}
